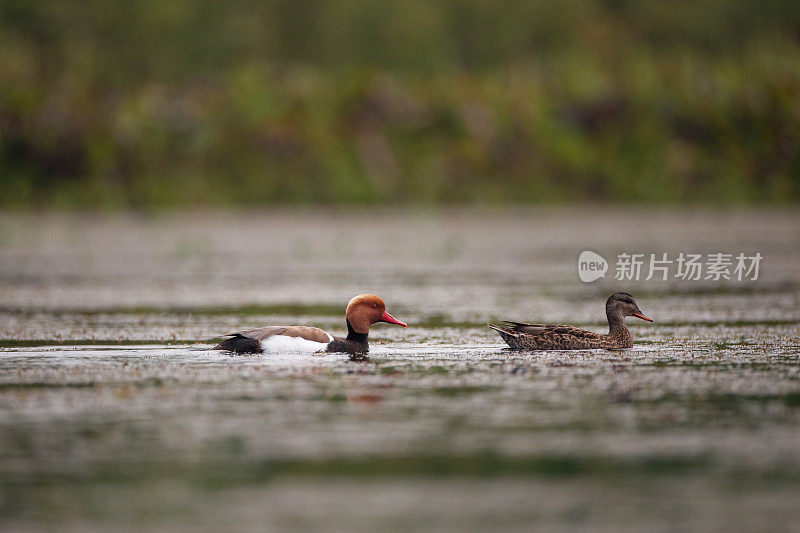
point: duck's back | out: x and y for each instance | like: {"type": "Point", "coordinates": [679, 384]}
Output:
{"type": "Point", "coordinates": [524, 336]}
{"type": "Point", "coordinates": [277, 339]}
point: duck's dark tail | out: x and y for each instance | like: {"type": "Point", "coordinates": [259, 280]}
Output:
{"type": "Point", "coordinates": [511, 337]}
{"type": "Point", "coordinates": [503, 331]}
{"type": "Point", "coordinates": [239, 344]}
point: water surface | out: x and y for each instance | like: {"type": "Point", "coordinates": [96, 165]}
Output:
{"type": "Point", "coordinates": [114, 413]}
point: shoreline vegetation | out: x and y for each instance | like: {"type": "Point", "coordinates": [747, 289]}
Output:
{"type": "Point", "coordinates": [155, 106]}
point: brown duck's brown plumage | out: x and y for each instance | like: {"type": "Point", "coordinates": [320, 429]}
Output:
{"type": "Point", "coordinates": [362, 312]}
{"type": "Point", "coordinates": [523, 336]}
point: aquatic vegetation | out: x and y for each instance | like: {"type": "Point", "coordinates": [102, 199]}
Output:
{"type": "Point", "coordinates": [113, 410]}
{"type": "Point", "coordinates": [485, 104]}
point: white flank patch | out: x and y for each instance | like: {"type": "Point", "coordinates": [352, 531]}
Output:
{"type": "Point", "coordinates": [282, 343]}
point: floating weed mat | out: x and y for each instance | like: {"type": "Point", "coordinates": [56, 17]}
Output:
{"type": "Point", "coordinates": [249, 309]}
{"type": "Point", "coordinates": [222, 473]}
{"type": "Point", "coordinates": [27, 343]}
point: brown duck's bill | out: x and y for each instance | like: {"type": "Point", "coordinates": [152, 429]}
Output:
{"type": "Point", "coordinates": [640, 315]}
{"type": "Point", "coordinates": [392, 320]}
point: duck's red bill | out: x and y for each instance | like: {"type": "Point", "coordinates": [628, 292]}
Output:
{"type": "Point", "coordinates": [640, 315]}
{"type": "Point", "coordinates": [392, 320]}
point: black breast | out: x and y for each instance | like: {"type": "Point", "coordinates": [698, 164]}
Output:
{"type": "Point", "coordinates": [348, 345]}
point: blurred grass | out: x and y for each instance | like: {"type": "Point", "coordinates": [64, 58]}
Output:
{"type": "Point", "coordinates": [184, 104]}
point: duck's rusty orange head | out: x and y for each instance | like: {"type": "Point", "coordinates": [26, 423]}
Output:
{"type": "Point", "coordinates": [367, 309]}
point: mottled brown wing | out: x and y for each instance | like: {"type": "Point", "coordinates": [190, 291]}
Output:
{"type": "Point", "coordinates": [304, 332]}
{"type": "Point", "coordinates": [524, 327]}
{"type": "Point", "coordinates": [551, 330]}
{"type": "Point", "coordinates": [572, 331]}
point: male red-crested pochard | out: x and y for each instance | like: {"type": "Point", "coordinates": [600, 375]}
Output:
{"type": "Point", "coordinates": [523, 336]}
{"type": "Point", "coordinates": [362, 312]}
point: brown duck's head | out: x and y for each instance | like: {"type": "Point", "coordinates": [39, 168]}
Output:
{"type": "Point", "coordinates": [622, 304]}
{"type": "Point", "coordinates": [367, 309]}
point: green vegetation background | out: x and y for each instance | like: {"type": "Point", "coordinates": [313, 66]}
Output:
{"type": "Point", "coordinates": [155, 103]}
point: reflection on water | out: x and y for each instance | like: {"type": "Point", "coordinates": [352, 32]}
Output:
{"type": "Point", "coordinates": [112, 411]}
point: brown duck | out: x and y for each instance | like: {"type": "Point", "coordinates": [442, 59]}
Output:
{"type": "Point", "coordinates": [362, 312]}
{"type": "Point", "coordinates": [522, 336]}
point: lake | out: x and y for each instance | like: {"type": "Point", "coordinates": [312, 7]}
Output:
{"type": "Point", "coordinates": [114, 413]}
